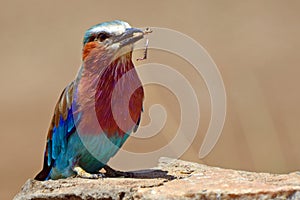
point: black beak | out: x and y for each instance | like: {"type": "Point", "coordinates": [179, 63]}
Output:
{"type": "Point", "coordinates": [130, 36]}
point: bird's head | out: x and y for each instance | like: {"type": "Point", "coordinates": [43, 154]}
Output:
{"type": "Point", "coordinates": [110, 40]}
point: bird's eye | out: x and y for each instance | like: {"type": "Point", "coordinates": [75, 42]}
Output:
{"type": "Point", "coordinates": [102, 36]}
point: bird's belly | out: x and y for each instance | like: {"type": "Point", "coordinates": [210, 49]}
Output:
{"type": "Point", "coordinates": [90, 152]}
{"type": "Point", "coordinates": [97, 150]}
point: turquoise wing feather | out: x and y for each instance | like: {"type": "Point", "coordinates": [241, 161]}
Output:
{"type": "Point", "coordinates": [61, 127]}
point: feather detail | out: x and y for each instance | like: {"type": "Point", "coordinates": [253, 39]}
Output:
{"type": "Point", "coordinates": [122, 122]}
{"type": "Point", "coordinates": [99, 78]}
{"type": "Point", "coordinates": [106, 82]}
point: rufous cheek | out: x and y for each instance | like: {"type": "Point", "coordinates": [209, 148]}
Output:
{"type": "Point", "coordinates": [90, 49]}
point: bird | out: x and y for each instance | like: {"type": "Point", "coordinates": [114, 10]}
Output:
{"type": "Point", "coordinates": [99, 109]}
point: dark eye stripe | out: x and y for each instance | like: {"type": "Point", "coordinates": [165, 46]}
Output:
{"type": "Point", "coordinates": [102, 36]}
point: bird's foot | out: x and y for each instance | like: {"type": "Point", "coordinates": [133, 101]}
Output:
{"type": "Point", "coordinates": [110, 172]}
{"type": "Point", "coordinates": [83, 174]}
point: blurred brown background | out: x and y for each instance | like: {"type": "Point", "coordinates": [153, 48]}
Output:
{"type": "Point", "coordinates": [255, 44]}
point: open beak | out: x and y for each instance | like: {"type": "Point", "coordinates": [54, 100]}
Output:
{"type": "Point", "coordinates": [130, 36]}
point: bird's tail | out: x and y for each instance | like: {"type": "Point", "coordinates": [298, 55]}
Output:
{"type": "Point", "coordinates": [43, 175]}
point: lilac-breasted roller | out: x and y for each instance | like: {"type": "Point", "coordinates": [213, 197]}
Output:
{"type": "Point", "coordinates": [91, 121]}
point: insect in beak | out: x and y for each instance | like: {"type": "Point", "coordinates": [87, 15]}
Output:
{"type": "Point", "coordinates": [146, 31]}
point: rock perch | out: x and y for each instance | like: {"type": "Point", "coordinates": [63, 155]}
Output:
{"type": "Point", "coordinates": [172, 179]}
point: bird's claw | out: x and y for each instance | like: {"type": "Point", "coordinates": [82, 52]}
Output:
{"type": "Point", "coordinates": [83, 174]}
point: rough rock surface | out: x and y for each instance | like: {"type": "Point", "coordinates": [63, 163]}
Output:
{"type": "Point", "coordinates": [172, 179]}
